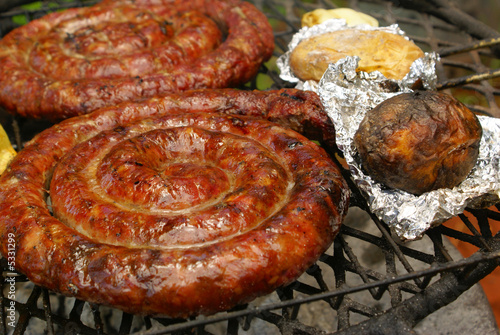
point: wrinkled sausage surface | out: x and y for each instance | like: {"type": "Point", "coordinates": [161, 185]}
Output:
{"type": "Point", "coordinates": [75, 61]}
{"type": "Point", "coordinates": [180, 205]}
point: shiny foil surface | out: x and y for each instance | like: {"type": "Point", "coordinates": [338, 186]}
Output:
{"type": "Point", "coordinates": [348, 95]}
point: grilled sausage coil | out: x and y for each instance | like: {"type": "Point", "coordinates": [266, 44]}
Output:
{"type": "Point", "coordinates": [181, 205]}
{"type": "Point", "coordinates": [75, 61]}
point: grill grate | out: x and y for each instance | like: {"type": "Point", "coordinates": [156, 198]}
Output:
{"type": "Point", "coordinates": [369, 281]}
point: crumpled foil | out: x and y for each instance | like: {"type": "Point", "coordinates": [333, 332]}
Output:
{"type": "Point", "coordinates": [348, 95]}
{"type": "Point", "coordinates": [283, 62]}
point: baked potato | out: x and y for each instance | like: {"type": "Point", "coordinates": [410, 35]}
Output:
{"type": "Point", "coordinates": [418, 142]}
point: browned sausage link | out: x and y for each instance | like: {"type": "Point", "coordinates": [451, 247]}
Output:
{"type": "Point", "coordinates": [168, 207]}
{"type": "Point", "coordinates": [73, 62]}
{"type": "Point", "coordinates": [299, 110]}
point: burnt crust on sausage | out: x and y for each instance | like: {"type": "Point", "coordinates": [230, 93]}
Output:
{"type": "Point", "coordinates": [274, 203]}
{"type": "Point", "coordinates": [72, 62]}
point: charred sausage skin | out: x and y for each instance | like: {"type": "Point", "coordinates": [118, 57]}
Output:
{"type": "Point", "coordinates": [303, 200]}
{"type": "Point", "coordinates": [72, 62]}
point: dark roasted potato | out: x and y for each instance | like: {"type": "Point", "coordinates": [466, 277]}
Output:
{"type": "Point", "coordinates": [419, 141]}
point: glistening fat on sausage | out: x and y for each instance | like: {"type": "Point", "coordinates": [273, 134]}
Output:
{"type": "Point", "coordinates": [180, 205]}
{"type": "Point", "coordinates": [72, 62]}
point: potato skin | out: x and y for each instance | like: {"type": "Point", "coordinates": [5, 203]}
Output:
{"type": "Point", "coordinates": [391, 54]}
{"type": "Point", "coordinates": [419, 141]}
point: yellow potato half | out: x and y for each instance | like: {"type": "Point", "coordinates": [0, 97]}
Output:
{"type": "Point", "coordinates": [351, 16]}
{"type": "Point", "coordinates": [391, 54]}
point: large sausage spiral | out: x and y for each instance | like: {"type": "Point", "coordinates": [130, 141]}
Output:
{"type": "Point", "coordinates": [75, 61]}
{"type": "Point", "coordinates": [177, 206]}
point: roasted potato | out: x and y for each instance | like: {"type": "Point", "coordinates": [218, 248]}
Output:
{"type": "Point", "coordinates": [391, 54]}
{"type": "Point", "coordinates": [419, 141]}
{"type": "Point", "coordinates": [351, 17]}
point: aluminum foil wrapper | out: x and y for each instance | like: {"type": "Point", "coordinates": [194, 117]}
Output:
{"type": "Point", "coordinates": [347, 95]}
{"type": "Point", "coordinates": [283, 62]}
